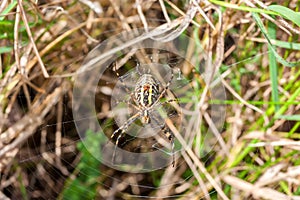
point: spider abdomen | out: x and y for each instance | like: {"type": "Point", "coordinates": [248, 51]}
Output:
{"type": "Point", "coordinates": [146, 90]}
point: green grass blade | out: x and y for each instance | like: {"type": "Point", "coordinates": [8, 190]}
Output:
{"type": "Point", "coordinates": [294, 129]}
{"type": "Point", "coordinates": [286, 45]}
{"type": "Point", "coordinates": [11, 6]}
{"type": "Point", "coordinates": [278, 57]}
{"type": "Point", "coordinates": [280, 112]}
{"type": "Point", "coordinates": [290, 117]}
{"type": "Point", "coordinates": [246, 150]}
{"type": "Point", "coordinates": [5, 49]}
{"type": "Point", "coordinates": [243, 8]}
{"type": "Point", "coordinates": [286, 13]}
{"type": "Point", "coordinates": [273, 67]}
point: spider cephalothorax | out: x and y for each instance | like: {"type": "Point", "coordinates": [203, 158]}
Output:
{"type": "Point", "coordinates": [145, 98]}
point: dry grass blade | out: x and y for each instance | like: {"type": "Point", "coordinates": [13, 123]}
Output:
{"type": "Point", "coordinates": [141, 14]}
{"type": "Point", "coordinates": [215, 131]}
{"type": "Point", "coordinates": [28, 124]}
{"type": "Point", "coordinates": [164, 10]}
{"type": "Point", "coordinates": [197, 175]}
{"type": "Point", "coordinates": [196, 160]}
{"type": "Point", "coordinates": [16, 38]}
{"type": "Point", "coordinates": [120, 15]}
{"type": "Point", "coordinates": [281, 21]}
{"type": "Point", "coordinates": [267, 16]}
{"type": "Point", "coordinates": [43, 68]}
{"type": "Point", "coordinates": [257, 192]}
{"type": "Point", "coordinates": [228, 144]}
{"type": "Point", "coordinates": [155, 32]}
{"type": "Point", "coordinates": [235, 94]}
{"type": "Point", "coordinates": [3, 196]}
{"type": "Point", "coordinates": [190, 14]}
{"type": "Point", "coordinates": [203, 14]}
{"type": "Point", "coordinates": [181, 12]}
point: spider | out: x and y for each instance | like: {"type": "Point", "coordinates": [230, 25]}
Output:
{"type": "Point", "coordinates": [146, 97]}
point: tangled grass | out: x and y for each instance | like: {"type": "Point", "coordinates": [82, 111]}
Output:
{"type": "Point", "coordinates": [253, 45]}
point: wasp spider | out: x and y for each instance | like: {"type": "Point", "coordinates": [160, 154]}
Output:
{"type": "Point", "coordinates": [146, 98]}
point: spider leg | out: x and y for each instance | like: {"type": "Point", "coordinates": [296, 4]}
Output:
{"type": "Point", "coordinates": [170, 136]}
{"type": "Point", "coordinates": [123, 84]}
{"type": "Point", "coordinates": [127, 102]}
{"type": "Point", "coordinates": [168, 101]}
{"type": "Point", "coordinates": [123, 128]}
{"type": "Point", "coordinates": [165, 89]}
{"type": "Point", "coordinates": [171, 110]}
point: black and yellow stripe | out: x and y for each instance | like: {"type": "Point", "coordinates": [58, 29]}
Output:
{"type": "Point", "coordinates": [146, 90]}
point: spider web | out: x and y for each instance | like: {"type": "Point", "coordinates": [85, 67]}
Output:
{"type": "Point", "coordinates": [55, 160]}
{"type": "Point", "coordinates": [56, 172]}
{"type": "Point", "coordinates": [49, 168]}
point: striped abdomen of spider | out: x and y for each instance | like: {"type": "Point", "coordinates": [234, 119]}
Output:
{"type": "Point", "coordinates": [146, 94]}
